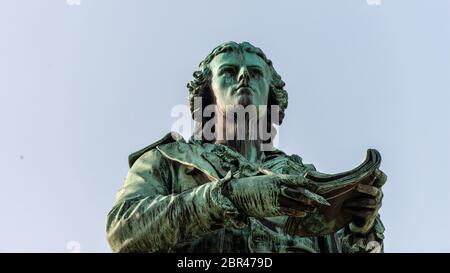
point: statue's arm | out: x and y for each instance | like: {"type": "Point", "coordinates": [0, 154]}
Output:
{"type": "Point", "coordinates": [147, 217]}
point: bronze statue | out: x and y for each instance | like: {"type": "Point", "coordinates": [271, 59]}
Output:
{"type": "Point", "coordinates": [227, 189]}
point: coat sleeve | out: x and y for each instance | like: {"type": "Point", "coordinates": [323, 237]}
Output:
{"type": "Point", "coordinates": [372, 242]}
{"type": "Point", "coordinates": [147, 217]}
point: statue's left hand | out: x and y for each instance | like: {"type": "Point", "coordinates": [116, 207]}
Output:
{"type": "Point", "coordinates": [365, 208]}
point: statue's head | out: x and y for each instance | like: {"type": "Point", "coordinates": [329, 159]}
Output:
{"type": "Point", "coordinates": [238, 74]}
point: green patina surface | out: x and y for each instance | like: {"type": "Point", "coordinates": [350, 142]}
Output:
{"type": "Point", "coordinates": [171, 201]}
{"type": "Point", "coordinates": [210, 196]}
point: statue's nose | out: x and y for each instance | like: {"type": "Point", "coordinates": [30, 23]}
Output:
{"type": "Point", "coordinates": [244, 76]}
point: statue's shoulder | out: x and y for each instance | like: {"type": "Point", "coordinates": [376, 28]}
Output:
{"type": "Point", "coordinates": [168, 138]}
{"type": "Point", "coordinates": [298, 159]}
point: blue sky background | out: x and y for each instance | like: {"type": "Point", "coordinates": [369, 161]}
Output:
{"type": "Point", "coordinates": [82, 86]}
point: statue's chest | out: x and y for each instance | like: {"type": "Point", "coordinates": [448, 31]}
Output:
{"type": "Point", "coordinates": [192, 175]}
{"type": "Point", "coordinates": [194, 165]}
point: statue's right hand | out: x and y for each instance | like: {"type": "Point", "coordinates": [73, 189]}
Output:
{"type": "Point", "coordinates": [273, 195]}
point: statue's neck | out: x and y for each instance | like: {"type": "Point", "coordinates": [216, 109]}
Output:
{"type": "Point", "coordinates": [242, 142]}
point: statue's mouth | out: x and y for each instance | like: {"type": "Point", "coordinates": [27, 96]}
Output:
{"type": "Point", "coordinates": [245, 90]}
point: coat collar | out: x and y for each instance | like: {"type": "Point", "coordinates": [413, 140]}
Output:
{"type": "Point", "coordinates": [215, 160]}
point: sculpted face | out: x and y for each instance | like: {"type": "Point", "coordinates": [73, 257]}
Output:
{"type": "Point", "coordinates": [240, 78]}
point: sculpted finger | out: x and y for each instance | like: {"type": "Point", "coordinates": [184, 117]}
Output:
{"type": "Point", "coordinates": [305, 196]}
{"type": "Point", "coordinates": [379, 197]}
{"type": "Point", "coordinates": [362, 203]}
{"type": "Point", "coordinates": [292, 212]}
{"type": "Point", "coordinates": [369, 190]}
{"type": "Point", "coordinates": [381, 178]}
{"type": "Point", "coordinates": [363, 213]}
{"type": "Point", "coordinates": [295, 181]}
{"type": "Point", "coordinates": [291, 204]}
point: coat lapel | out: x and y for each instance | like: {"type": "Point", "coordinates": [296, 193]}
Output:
{"type": "Point", "coordinates": [189, 155]}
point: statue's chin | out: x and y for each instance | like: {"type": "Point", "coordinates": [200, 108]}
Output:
{"type": "Point", "coordinates": [244, 100]}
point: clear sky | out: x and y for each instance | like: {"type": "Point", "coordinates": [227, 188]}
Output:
{"type": "Point", "coordinates": [82, 86]}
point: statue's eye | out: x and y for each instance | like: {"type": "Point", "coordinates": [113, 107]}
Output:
{"type": "Point", "coordinates": [255, 73]}
{"type": "Point", "coordinates": [228, 71]}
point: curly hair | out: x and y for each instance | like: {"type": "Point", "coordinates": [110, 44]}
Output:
{"type": "Point", "coordinates": [200, 86]}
